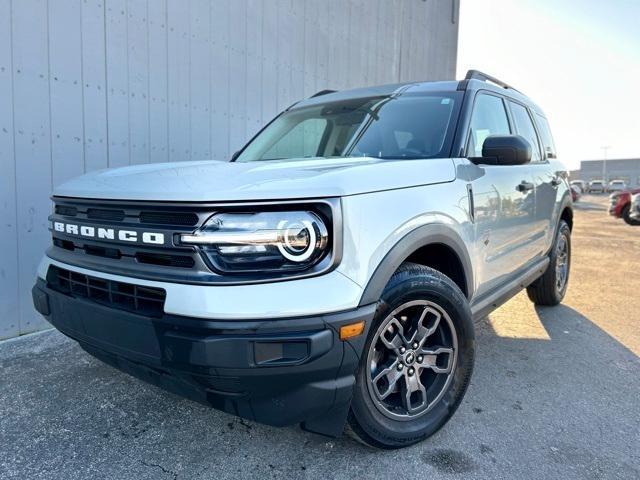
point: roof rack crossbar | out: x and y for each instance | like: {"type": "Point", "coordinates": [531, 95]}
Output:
{"type": "Point", "coordinates": [478, 75]}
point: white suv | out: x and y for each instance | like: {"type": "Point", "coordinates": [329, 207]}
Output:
{"type": "Point", "coordinates": [331, 271]}
{"type": "Point", "coordinates": [597, 186]}
{"type": "Point", "coordinates": [617, 186]}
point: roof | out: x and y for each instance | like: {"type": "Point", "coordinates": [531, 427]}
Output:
{"type": "Point", "coordinates": [379, 91]}
{"type": "Point", "coordinates": [475, 81]}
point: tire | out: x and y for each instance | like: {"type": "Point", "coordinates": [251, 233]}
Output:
{"type": "Point", "coordinates": [551, 287]}
{"type": "Point", "coordinates": [626, 210]}
{"type": "Point", "coordinates": [422, 293]}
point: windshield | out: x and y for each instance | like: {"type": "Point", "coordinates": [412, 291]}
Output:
{"type": "Point", "coordinates": [395, 127]}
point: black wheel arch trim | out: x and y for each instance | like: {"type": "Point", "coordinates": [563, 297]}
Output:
{"type": "Point", "coordinates": [566, 202]}
{"type": "Point", "coordinates": [430, 234]}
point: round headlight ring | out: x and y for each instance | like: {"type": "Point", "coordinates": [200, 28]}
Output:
{"type": "Point", "coordinates": [294, 253]}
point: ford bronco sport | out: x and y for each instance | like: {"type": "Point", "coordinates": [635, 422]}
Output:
{"type": "Point", "coordinates": [330, 273]}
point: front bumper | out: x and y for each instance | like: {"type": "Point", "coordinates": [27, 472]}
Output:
{"type": "Point", "coordinates": [328, 293]}
{"type": "Point", "coordinates": [273, 371]}
{"type": "Point", "coordinates": [614, 209]}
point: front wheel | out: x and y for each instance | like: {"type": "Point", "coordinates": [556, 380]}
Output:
{"type": "Point", "coordinates": [417, 362]}
{"type": "Point", "coordinates": [551, 287]}
{"type": "Point", "coordinates": [626, 210]}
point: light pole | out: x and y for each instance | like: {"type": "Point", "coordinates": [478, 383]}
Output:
{"type": "Point", "coordinates": [605, 149]}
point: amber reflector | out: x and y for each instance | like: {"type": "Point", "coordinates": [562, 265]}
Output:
{"type": "Point", "coordinates": [351, 330]}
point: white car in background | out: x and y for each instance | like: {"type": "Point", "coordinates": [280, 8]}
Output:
{"type": "Point", "coordinates": [617, 186]}
{"type": "Point", "coordinates": [597, 186]}
{"type": "Point", "coordinates": [580, 184]}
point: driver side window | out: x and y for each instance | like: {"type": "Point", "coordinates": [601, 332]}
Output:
{"type": "Point", "coordinates": [489, 118]}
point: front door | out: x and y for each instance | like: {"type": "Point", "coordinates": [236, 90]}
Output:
{"type": "Point", "coordinates": [544, 179]}
{"type": "Point", "coordinates": [504, 201]}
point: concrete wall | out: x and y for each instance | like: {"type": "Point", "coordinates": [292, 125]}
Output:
{"type": "Point", "coordinates": [93, 84]}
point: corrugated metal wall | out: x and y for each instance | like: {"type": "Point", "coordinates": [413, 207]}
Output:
{"type": "Point", "coordinates": [93, 84]}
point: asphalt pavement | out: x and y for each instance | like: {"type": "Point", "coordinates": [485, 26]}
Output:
{"type": "Point", "coordinates": [555, 394]}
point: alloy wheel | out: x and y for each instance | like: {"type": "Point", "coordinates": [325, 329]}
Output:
{"type": "Point", "coordinates": [562, 263]}
{"type": "Point", "coordinates": [411, 360]}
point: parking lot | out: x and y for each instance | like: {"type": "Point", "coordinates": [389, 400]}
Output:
{"type": "Point", "coordinates": [555, 394]}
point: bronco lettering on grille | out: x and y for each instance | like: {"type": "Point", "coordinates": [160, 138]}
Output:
{"type": "Point", "coordinates": [152, 238]}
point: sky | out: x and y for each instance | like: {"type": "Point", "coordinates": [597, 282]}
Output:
{"type": "Point", "coordinates": [578, 59]}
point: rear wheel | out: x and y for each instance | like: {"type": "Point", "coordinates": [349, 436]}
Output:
{"type": "Point", "coordinates": [417, 361]}
{"type": "Point", "coordinates": [551, 287]}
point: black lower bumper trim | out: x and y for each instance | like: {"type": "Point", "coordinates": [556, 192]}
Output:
{"type": "Point", "coordinates": [278, 372]}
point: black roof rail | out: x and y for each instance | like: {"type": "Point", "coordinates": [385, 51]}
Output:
{"type": "Point", "coordinates": [478, 75]}
{"type": "Point", "coordinates": [322, 92]}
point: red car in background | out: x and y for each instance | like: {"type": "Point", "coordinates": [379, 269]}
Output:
{"type": "Point", "coordinates": [575, 193]}
{"type": "Point", "coordinates": [620, 203]}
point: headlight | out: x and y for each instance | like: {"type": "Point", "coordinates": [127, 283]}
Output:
{"type": "Point", "coordinates": [262, 241]}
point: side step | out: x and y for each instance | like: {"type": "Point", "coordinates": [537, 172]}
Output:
{"type": "Point", "coordinates": [484, 305]}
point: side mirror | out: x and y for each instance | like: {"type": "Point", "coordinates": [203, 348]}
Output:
{"type": "Point", "coordinates": [504, 150]}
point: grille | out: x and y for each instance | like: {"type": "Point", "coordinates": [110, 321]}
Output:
{"type": "Point", "coordinates": [169, 218]}
{"type": "Point", "coordinates": [132, 214]}
{"type": "Point", "coordinates": [106, 252]}
{"type": "Point", "coordinates": [148, 301]}
{"type": "Point", "coordinates": [102, 251]}
{"type": "Point", "coordinates": [164, 259]}
{"type": "Point", "coordinates": [102, 214]}
{"type": "Point", "coordinates": [180, 261]}
{"type": "Point", "coordinates": [66, 210]}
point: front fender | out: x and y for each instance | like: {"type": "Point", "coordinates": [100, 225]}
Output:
{"type": "Point", "coordinates": [420, 237]}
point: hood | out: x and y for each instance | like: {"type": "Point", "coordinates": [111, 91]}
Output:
{"type": "Point", "coordinates": [214, 181]}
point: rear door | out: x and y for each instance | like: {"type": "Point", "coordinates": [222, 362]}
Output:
{"type": "Point", "coordinates": [504, 200]}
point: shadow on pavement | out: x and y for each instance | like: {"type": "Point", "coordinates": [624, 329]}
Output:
{"type": "Point", "coordinates": [563, 404]}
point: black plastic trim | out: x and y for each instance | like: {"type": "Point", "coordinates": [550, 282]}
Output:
{"type": "Point", "coordinates": [322, 92]}
{"type": "Point", "coordinates": [478, 75]}
{"type": "Point", "coordinates": [420, 237]}
{"type": "Point", "coordinates": [483, 305]}
{"type": "Point", "coordinates": [214, 361]}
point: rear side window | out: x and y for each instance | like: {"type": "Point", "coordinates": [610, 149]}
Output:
{"type": "Point", "coordinates": [547, 138]}
{"type": "Point", "coordinates": [524, 127]}
{"type": "Point", "coordinates": [489, 118]}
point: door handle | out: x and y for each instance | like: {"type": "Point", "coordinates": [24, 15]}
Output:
{"type": "Point", "coordinates": [524, 186]}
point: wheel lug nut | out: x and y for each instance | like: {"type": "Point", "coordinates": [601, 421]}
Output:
{"type": "Point", "coordinates": [400, 367]}
{"type": "Point", "coordinates": [411, 371]}
{"type": "Point", "coordinates": [420, 358]}
{"type": "Point", "coordinates": [402, 349]}
{"type": "Point", "coordinates": [415, 345]}
{"type": "Point", "coordinates": [403, 318]}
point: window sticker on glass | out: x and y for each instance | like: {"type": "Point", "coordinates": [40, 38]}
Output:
{"type": "Point", "coordinates": [445, 101]}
